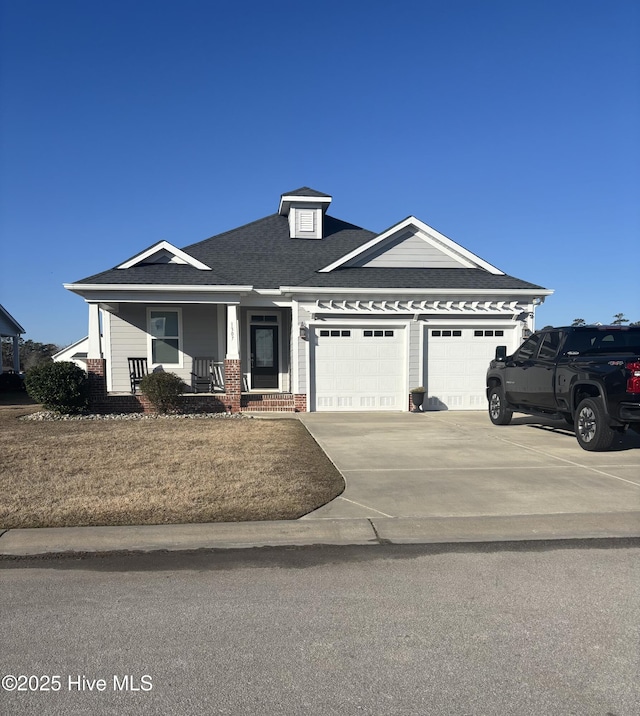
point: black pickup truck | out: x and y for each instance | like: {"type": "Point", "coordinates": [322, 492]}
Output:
{"type": "Point", "coordinates": [588, 376]}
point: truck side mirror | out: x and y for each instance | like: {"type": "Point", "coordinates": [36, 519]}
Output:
{"type": "Point", "coordinates": [501, 352]}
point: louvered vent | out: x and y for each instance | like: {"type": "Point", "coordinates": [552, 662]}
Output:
{"type": "Point", "coordinates": [306, 220]}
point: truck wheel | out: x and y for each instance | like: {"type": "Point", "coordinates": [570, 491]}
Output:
{"type": "Point", "coordinates": [499, 414]}
{"type": "Point", "coordinates": [592, 429]}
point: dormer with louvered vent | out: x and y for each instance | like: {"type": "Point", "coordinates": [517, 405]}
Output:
{"type": "Point", "coordinates": [305, 208]}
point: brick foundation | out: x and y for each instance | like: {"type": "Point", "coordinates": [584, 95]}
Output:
{"type": "Point", "coordinates": [96, 372]}
{"type": "Point", "coordinates": [232, 384]}
{"type": "Point", "coordinates": [231, 401]}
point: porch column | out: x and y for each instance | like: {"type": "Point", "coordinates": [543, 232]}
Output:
{"type": "Point", "coordinates": [232, 368]}
{"type": "Point", "coordinates": [16, 354]}
{"type": "Point", "coordinates": [96, 367]}
{"type": "Point", "coordinates": [94, 349]}
{"type": "Point", "coordinates": [233, 333]}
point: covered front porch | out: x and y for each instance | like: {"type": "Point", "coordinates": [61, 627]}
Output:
{"type": "Point", "coordinates": [246, 342]}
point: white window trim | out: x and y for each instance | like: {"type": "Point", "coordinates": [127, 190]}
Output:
{"type": "Point", "coordinates": [175, 309]}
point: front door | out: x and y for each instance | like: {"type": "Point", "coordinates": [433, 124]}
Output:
{"type": "Point", "coordinates": [264, 356]}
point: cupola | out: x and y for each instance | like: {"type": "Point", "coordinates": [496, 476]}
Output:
{"type": "Point", "coordinates": [305, 208]}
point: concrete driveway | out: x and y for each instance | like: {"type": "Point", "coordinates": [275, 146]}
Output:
{"type": "Point", "coordinates": [457, 464]}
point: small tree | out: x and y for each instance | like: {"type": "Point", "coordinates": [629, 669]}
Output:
{"type": "Point", "coordinates": [163, 391]}
{"type": "Point", "coordinates": [61, 386]}
{"type": "Point", "coordinates": [579, 322]}
{"type": "Point", "coordinates": [619, 319]}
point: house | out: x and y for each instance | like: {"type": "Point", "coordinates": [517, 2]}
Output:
{"type": "Point", "coordinates": [308, 312]}
{"type": "Point", "coordinates": [10, 328]}
{"type": "Point", "coordinates": [75, 353]}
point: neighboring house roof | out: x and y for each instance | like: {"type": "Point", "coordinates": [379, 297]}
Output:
{"type": "Point", "coordinates": [8, 324]}
{"type": "Point", "coordinates": [76, 350]}
{"type": "Point", "coordinates": [263, 255]}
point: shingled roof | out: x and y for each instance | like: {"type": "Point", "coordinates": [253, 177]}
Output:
{"type": "Point", "coordinates": [262, 254]}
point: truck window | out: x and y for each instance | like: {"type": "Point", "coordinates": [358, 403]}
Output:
{"type": "Point", "coordinates": [528, 348]}
{"type": "Point", "coordinates": [549, 346]}
{"type": "Point", "coordinates": [604, 340]}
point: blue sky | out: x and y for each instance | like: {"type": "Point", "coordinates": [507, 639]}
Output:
{"type": "Point", "coordinates": [511, 127]}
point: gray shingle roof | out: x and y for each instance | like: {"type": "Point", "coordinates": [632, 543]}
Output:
{"type": "Point", "coordinates": [305, 191]}
{"type": "Point", "coordinates": [261, 254]}
{"type": "Point", "coordinates": [462, 278]}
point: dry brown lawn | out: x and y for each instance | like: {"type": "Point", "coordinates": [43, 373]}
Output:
{"type": "Point", "coordinates": [72, 473]}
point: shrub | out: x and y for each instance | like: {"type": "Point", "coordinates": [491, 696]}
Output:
{"type": "Point", "coordinates": [63, 386]}
{"type": "Point", "coordinates": [163, 391]}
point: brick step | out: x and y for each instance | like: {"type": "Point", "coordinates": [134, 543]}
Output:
{"type": "Point", "coordinates": [268, 401]}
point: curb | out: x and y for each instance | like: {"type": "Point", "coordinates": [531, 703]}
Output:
{"type": "Point", "coordinates": [315, 532]}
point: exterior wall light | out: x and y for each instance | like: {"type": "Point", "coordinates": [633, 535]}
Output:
{"type": "Point", "coordinates": [304, 331]}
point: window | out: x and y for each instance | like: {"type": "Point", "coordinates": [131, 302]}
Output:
{"type": "Point", "coordinates": [164, 332]}
{"type": "Point", "coordinates": [446, 334]}
{"type": "Point", "coordinates": [488, 333]}
{"type": "Point", "coordinates": [335, 333]}
{"type": "Point", "coordinates": [549, 346]}
{"type": "Point", "coordinates": [264, 319]}
{"type": "Point", "coordinates": [528, 348]}
{"type": "Point", "coordinates": [378, 334]}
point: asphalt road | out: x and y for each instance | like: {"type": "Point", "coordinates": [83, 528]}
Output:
{"type": "Point", "coordinates": [514, 629]}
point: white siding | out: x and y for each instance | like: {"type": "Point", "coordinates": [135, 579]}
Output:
{"type": "Point", "coordinates": [414, 371]}
{"type": "Point", "coordinates": [129, 340]}
{"type": "Point", "coordinates": [409, 251]}
{"type": "Point", "coordinates": [303, 352]}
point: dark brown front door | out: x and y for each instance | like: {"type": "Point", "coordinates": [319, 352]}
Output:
{"type": "Point", "coordinates": [264, 356]}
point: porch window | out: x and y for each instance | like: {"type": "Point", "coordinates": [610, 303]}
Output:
{"type": "Point", "coordinates": [164, 330]}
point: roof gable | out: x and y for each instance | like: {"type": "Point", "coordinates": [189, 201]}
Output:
{"type": "Point", "coordinates": [163, 253]}
{"type": "Point", "coordinates": [411, 244]}
{"type": "Point", "coordinates": [8, 324]}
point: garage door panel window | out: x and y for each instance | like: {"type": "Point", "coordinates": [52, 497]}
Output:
{"type": "Point", "coordinates": [446, 333]}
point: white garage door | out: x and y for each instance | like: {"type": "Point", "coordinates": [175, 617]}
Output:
{"type": "Point", "coordinates": [358, 368]}
{"type": "Point", "coordinates": [457, 362]}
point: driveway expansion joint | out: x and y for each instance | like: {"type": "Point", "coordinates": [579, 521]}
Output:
{"type": "Point", "coordinates": [380, 540]}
